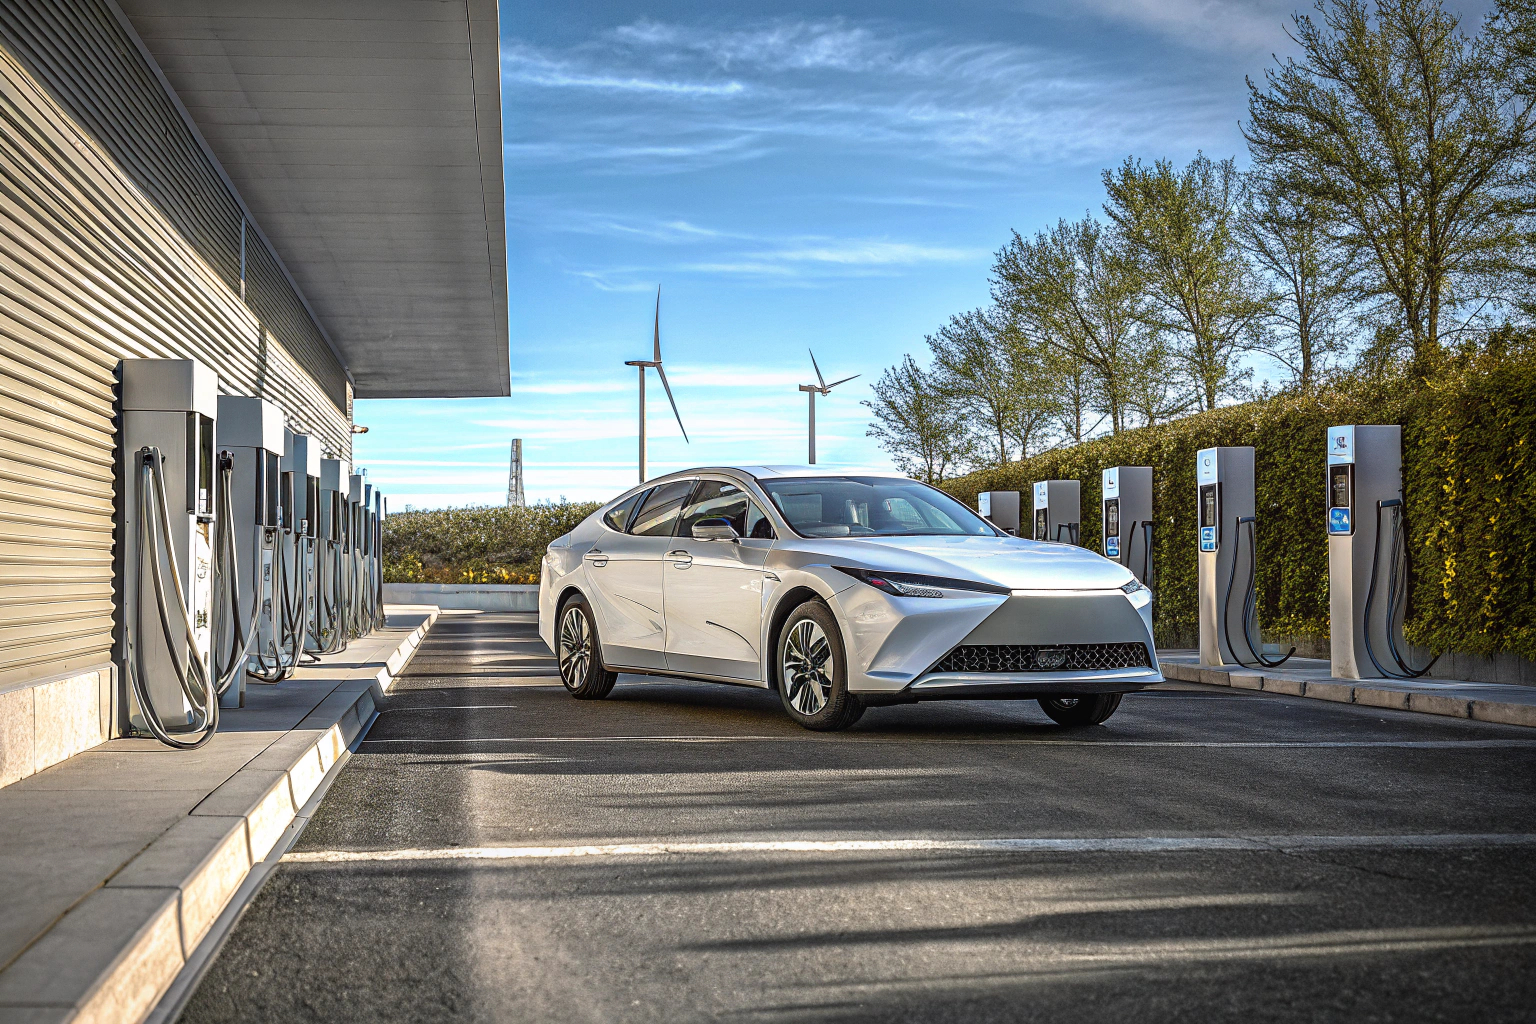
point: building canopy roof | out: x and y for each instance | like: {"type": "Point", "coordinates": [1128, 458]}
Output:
{"type": "Point", "coordinates": [364, 137]}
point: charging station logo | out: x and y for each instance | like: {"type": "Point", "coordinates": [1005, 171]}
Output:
{"type": "Point", "coordinates": [1338, 520]}
{"type": "Point", "coordinates": [1112, 546]}
{"type": "Point", "coordinates": [1207, 538]}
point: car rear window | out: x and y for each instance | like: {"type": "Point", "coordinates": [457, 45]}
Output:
{"type": "Point", "coordinates": [658, 516]}
{"type": "Point", "coordinates": [618, 516]}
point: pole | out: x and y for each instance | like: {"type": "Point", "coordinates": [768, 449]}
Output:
{"type": "Point", "coordinates": [642, 423]}
{"type": "Point", "coordinates": [812, 396]}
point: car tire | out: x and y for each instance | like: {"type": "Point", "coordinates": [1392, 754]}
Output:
{"type": "Point", "coordinates": [1079, 711]}
{"type": "Point", "coordinates": [578, 654]}
{"type": "Point", "coordinates": [812, 670]}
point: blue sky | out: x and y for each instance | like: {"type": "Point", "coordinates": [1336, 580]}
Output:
{"type": "Point", "coordinates": [793, 176]}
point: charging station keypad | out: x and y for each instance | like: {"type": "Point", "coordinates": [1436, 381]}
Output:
{"type": "Point", "coordinates": [1112, 527]}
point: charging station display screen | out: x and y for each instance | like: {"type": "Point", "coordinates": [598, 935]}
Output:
{"type": "Point", "coordinates": [1112, 527]}
{"type": "Point", "coordinates": [311, 505]}
{"type": "Point", "coordinates": [1208, 520]}
{"type": "Point", "coordinates": [200, 465]}
{"type": "Point", "coordinates": [1341, 500]}
{"type": "Point", "coordinates": [285, 507]}
{"type": "Point", "coordinates": [1040, 521]}
{"type": "Point", "coordinates": [267, 484]}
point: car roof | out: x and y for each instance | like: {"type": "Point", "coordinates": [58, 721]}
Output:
{"type": "Point", "coordinates": [769, 472]}
{"type": "Point", "coordinates": [757, 473]}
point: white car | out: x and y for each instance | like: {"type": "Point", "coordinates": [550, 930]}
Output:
{"type": "Point", "coordinates": [841, 591]}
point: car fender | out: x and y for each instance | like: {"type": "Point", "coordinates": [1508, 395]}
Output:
{"type": "Point", "coordinates": [785, 587]}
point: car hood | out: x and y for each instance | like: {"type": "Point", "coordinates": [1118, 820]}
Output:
{"type": "Point", "coordinates": [1007, 561]}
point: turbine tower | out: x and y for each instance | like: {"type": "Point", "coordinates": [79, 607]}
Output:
{"type": "Point", "coordinates": [655, 361]}
{"type": "Point", "coordinates": [822, 388]}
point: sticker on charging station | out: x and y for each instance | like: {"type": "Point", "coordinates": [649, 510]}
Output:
{"type": "Point", "coordinates": [1207, 538]}
{"type": "Point", "coordinates": [1112, 546]}
{"type": "Point", "coordinates": [1338, 520]}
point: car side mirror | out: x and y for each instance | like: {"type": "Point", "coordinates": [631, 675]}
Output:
{"type": "Point", "coordinates": [714, 529]}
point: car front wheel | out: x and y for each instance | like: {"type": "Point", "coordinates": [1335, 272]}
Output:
{"type": "Point", "coordinates": [1080, 710]}
{"type": "Point", "coordinates": [813, 671]}
{"type": "Point", "coordinates": [578, 653]}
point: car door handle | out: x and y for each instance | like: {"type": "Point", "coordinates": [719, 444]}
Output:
{"type": "Point", "coordinates": [597, 558]}
{"type": "Point", "coordinates": [680, 559]}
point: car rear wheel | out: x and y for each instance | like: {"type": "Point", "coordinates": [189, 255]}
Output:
{"type": "Point", "coordinates": [813, 671]}
{"type": "Point", "coordinates": [1081, 710]}
{"type": "Point", "coordinates": [578, 653]}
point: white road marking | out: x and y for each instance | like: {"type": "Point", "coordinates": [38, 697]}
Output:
{"type": "Point", "coordinates": [916, 739]}
{"type": "Point", "coordinates": [1129, 844]}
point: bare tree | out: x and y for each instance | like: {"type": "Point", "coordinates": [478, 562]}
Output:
{"type": "Point", "coordinates": [1181, 226]}
{"type": "Point", "coordinates": [921, 431]}
{"type": "Point", "coordinates": [1413, 136]}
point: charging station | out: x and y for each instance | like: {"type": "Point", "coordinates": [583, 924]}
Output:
{"type": "Point", "coordinates": [1058, 510]}
{"type": "Point", "coordinates": [1228, 549]}
{"type": "Point", "coordinates": [251, 431]}
{"type": "Point", "coordinates": [331, 554]}
{"type": "Point", "coordinates": [1224, 479]}
{"type": "Point", "coordinates": [1001, 509]}
{"type": "Point", "coordinates": [300, 475]}
{"type": "Point", "coordinates": [1127, 519]}
{"type": "Point", "coordinates": [1367, 555]}
{"type": "Point", "coordinates": [166, 507]}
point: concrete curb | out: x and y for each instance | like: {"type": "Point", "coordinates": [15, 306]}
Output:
{"type": "Point", "coordinates": [113, 956]}
{"type": "Point", "coordinates": [1420, 699]}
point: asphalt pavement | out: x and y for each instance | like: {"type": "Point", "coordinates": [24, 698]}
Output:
{"type": "Point", "coordinates": [496, 851]}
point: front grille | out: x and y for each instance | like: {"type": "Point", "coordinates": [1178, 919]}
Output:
{"type": "Point", "coordinates": [1028, 657]}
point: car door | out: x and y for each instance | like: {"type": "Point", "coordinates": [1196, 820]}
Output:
{"type": "Point", "coordinates": [626, 575]}
{"type": "Point", "coordinates": [714, 588]}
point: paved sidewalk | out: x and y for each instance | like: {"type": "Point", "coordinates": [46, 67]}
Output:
{"type": "Point", "coordinates": [1506, 703]}
{"type": "Point", "coordinates": [115, 864]}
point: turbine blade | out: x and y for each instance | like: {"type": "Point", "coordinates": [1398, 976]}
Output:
{"type": "Point", "coordinates": [663, 375]}
{"type": "Point", "coordinates": [845, 380]}
{"type": "Point", "coordinates": [657, 356]}
{"type": "Point", "coordinates": [819, 379]}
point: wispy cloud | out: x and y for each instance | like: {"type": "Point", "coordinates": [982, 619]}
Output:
{"type": "Point", "coordinates": [873, 85]}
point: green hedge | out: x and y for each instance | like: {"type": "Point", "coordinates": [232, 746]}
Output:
{"type": "Point", "coordinates": [1471, 499]}
{"type": "Point", "coordinates": [494, 544]}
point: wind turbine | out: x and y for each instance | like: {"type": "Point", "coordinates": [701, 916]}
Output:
{"type": "Point", "coordinates": [822, 388]}
{"type": "Point", "coordinates": [656, 362]}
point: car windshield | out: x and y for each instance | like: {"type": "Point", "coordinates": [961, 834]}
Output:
{"type": "Point", "coordinates": [872, 506]}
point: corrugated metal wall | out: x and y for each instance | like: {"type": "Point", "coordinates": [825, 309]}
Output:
{"type": "Point", "coordinates": [116, 239]}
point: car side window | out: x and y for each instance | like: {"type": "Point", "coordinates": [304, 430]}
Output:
{"type": "Point", "coordinates": [658, 515]}
{"type": "Point", "coordinates": [618, 516]}
{"type": "Point", "coordinates": [721, 499]}
{"type": "Point", "coordinates": [759, 526]}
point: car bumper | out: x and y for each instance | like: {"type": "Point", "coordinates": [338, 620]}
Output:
{"type": "Point", "coordinates": [1020, 685]}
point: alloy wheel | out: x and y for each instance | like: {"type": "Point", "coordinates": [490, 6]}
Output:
{"type": "Point", "coordinates": [803, 669]}
{"type": "Point", "coordinates": [575, 646]}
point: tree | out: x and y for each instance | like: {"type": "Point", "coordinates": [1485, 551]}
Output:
{"type": "Point", "coordinates": [1071, 287]}
{"type": "Point", "coordinates": [973, 368]}
{"type": "Point", "coordinates": [923, 433]}
{"type": "Point", "coordinates": [1181, 226]}
{"type": "Point", "coordinates": [1416, 139]}
{"type": "Point", "coordinates": [1288, 237]}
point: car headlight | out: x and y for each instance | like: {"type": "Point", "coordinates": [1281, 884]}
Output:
{"type": "Point", "coordinates": [906, 584]}
{"type": "Point", "coordinates": [1136, 587]}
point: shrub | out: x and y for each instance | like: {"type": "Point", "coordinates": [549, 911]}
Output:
{"type": "Point", "coordinates": [1471, 498]}
{"type": "Point", "coordinates": [494, 544]}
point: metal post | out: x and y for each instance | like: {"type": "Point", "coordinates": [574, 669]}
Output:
{"type": "Point", "coordinates": [642, 423]}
